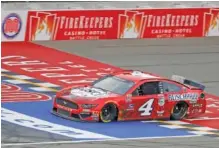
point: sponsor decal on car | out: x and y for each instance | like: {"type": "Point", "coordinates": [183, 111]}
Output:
{"type": "Point", "coordinates": [86, 110]}
{"type": "Point", "coordinates": [160, 113]}
{"type": "Point", "coordinates": [161, 101]}
{"type": "Point", "coordinates": [184, 96]}
{"type": "Point", "coordinates": [130, 107]}
{"type": "Point", "coordinates": [89, 92]}
{"type": "Point", "coordinates": [141, 74]}
{"type": "Point", "coordinates": [128, 98]}
{"type": "Point", "coordinates": [65, 108]}
{"type": "Point", "coordinates": [161, 87]}
{"type": "Point", "coordinates": [196, 110]}
{"type": "Point", "coordinates": [199, 105]}
{"type": "Point", "coordinates": [95, 115]}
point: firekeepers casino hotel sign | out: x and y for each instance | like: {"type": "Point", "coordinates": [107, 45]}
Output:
{"type": "Point", "coordinates": [66, 25]}
{"type": "Point", "coordinates": [116, 24]}
{"type": "Point", "coordinates": [11, 26]}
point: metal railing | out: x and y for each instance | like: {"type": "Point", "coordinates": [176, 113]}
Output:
{"type": "Point", "coordinates": [102, 5]}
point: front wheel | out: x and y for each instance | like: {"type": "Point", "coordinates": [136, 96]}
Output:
{"type": "Point", "coordinates": [108, 113]}
{"type": "Point", "coordinates": [179, 111]}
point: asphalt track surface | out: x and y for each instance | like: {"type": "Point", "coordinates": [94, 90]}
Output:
{"type": "Point", "coordinates": [194, 58]}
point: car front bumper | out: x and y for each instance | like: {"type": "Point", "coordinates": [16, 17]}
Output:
{"type": "Point", "coordinates": [89, 116]}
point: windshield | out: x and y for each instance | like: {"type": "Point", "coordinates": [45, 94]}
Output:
{"type": "Point", "coordinates": [113, 84]}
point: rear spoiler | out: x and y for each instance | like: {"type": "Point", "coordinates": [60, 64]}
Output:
{"type": "Point", "coordinates": [185, 81]}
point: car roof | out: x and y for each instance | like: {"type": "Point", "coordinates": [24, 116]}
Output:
{"type": "Point", "coordinates": [136, 76]}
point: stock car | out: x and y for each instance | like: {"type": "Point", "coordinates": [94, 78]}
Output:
{"type": "Point", "coordinates": [131, 95]}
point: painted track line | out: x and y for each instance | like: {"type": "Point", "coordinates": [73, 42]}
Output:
{"type": "Point", "coordinates": [49, 127]}
{"type": "Point", "coordinates": [181, 126]}
{"type": "Point", "coordinates": [216, 118]}
{"type": "Point", "coordinates": [184, 125]}
{"type": "Point", "coordinates": [86, 141]}
{"type": "Point", "coordinates": [28, 82]}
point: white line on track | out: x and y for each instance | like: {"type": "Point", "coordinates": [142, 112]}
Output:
{"type": "Point", "coordinates": [204, 129]}
{"type": "Point", "coordinates": [4, 70]}
{"type": "Point", "coordinates": [84, 141]}
{"type": "Point", "coordinates": [42, 125]}
{"type": "Point", "coordinates": [172, 126]}
{"type": "Point", "coordinates": [204, 118]}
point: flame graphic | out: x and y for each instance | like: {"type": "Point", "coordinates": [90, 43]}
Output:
{"type": "Point", "coordinates": [43, 26]}
{"type": "Point", "coordinates": [130, 25]}
{"type": "Point", "coordinates": [215, 20]}
{"type": "Point", "coordinates": [130, 30]}
{"type": "Point", "coordinates": [42, 33]}
{"type": "Point", "coordinates": [212, 23]}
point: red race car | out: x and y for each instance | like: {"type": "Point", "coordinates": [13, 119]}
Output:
{"type": "Point", "coordinates": [131, 95]}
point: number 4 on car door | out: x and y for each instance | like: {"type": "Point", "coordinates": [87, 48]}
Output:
{"type": "Point", "coordinates": [146, 108]}
{"type": "Point", "coordinates": [145, 98]}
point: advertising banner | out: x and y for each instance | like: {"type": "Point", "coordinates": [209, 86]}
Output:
{"type": "Point", "coordinates": [169, 23]}
{"type": "Point", "coordinates": [118, 24]}
{"type": "Point", "coordinates": [13, 25]}
{"type": "Point", "coordinates": [72, 25]}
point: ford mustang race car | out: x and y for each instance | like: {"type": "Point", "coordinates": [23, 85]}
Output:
{"type": "Point", "coordinates": [131, 95]}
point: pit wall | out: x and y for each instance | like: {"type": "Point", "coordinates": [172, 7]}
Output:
{"type": "Point", "coordinates": [109, 24]}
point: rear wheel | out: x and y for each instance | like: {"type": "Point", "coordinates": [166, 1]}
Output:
{"type": "Point", "coordinates": [179, 111]}
{"type": "Point", "coordinates": [108, 113]}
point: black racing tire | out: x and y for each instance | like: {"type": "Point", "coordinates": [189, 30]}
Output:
{"type": "Point", "coordinates": [179, 111]}
{"type": "Point", "coordinates": [108, 113]}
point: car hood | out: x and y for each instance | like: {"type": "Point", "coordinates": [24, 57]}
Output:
{"type": "Point", "coordinates": [88, 93]}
